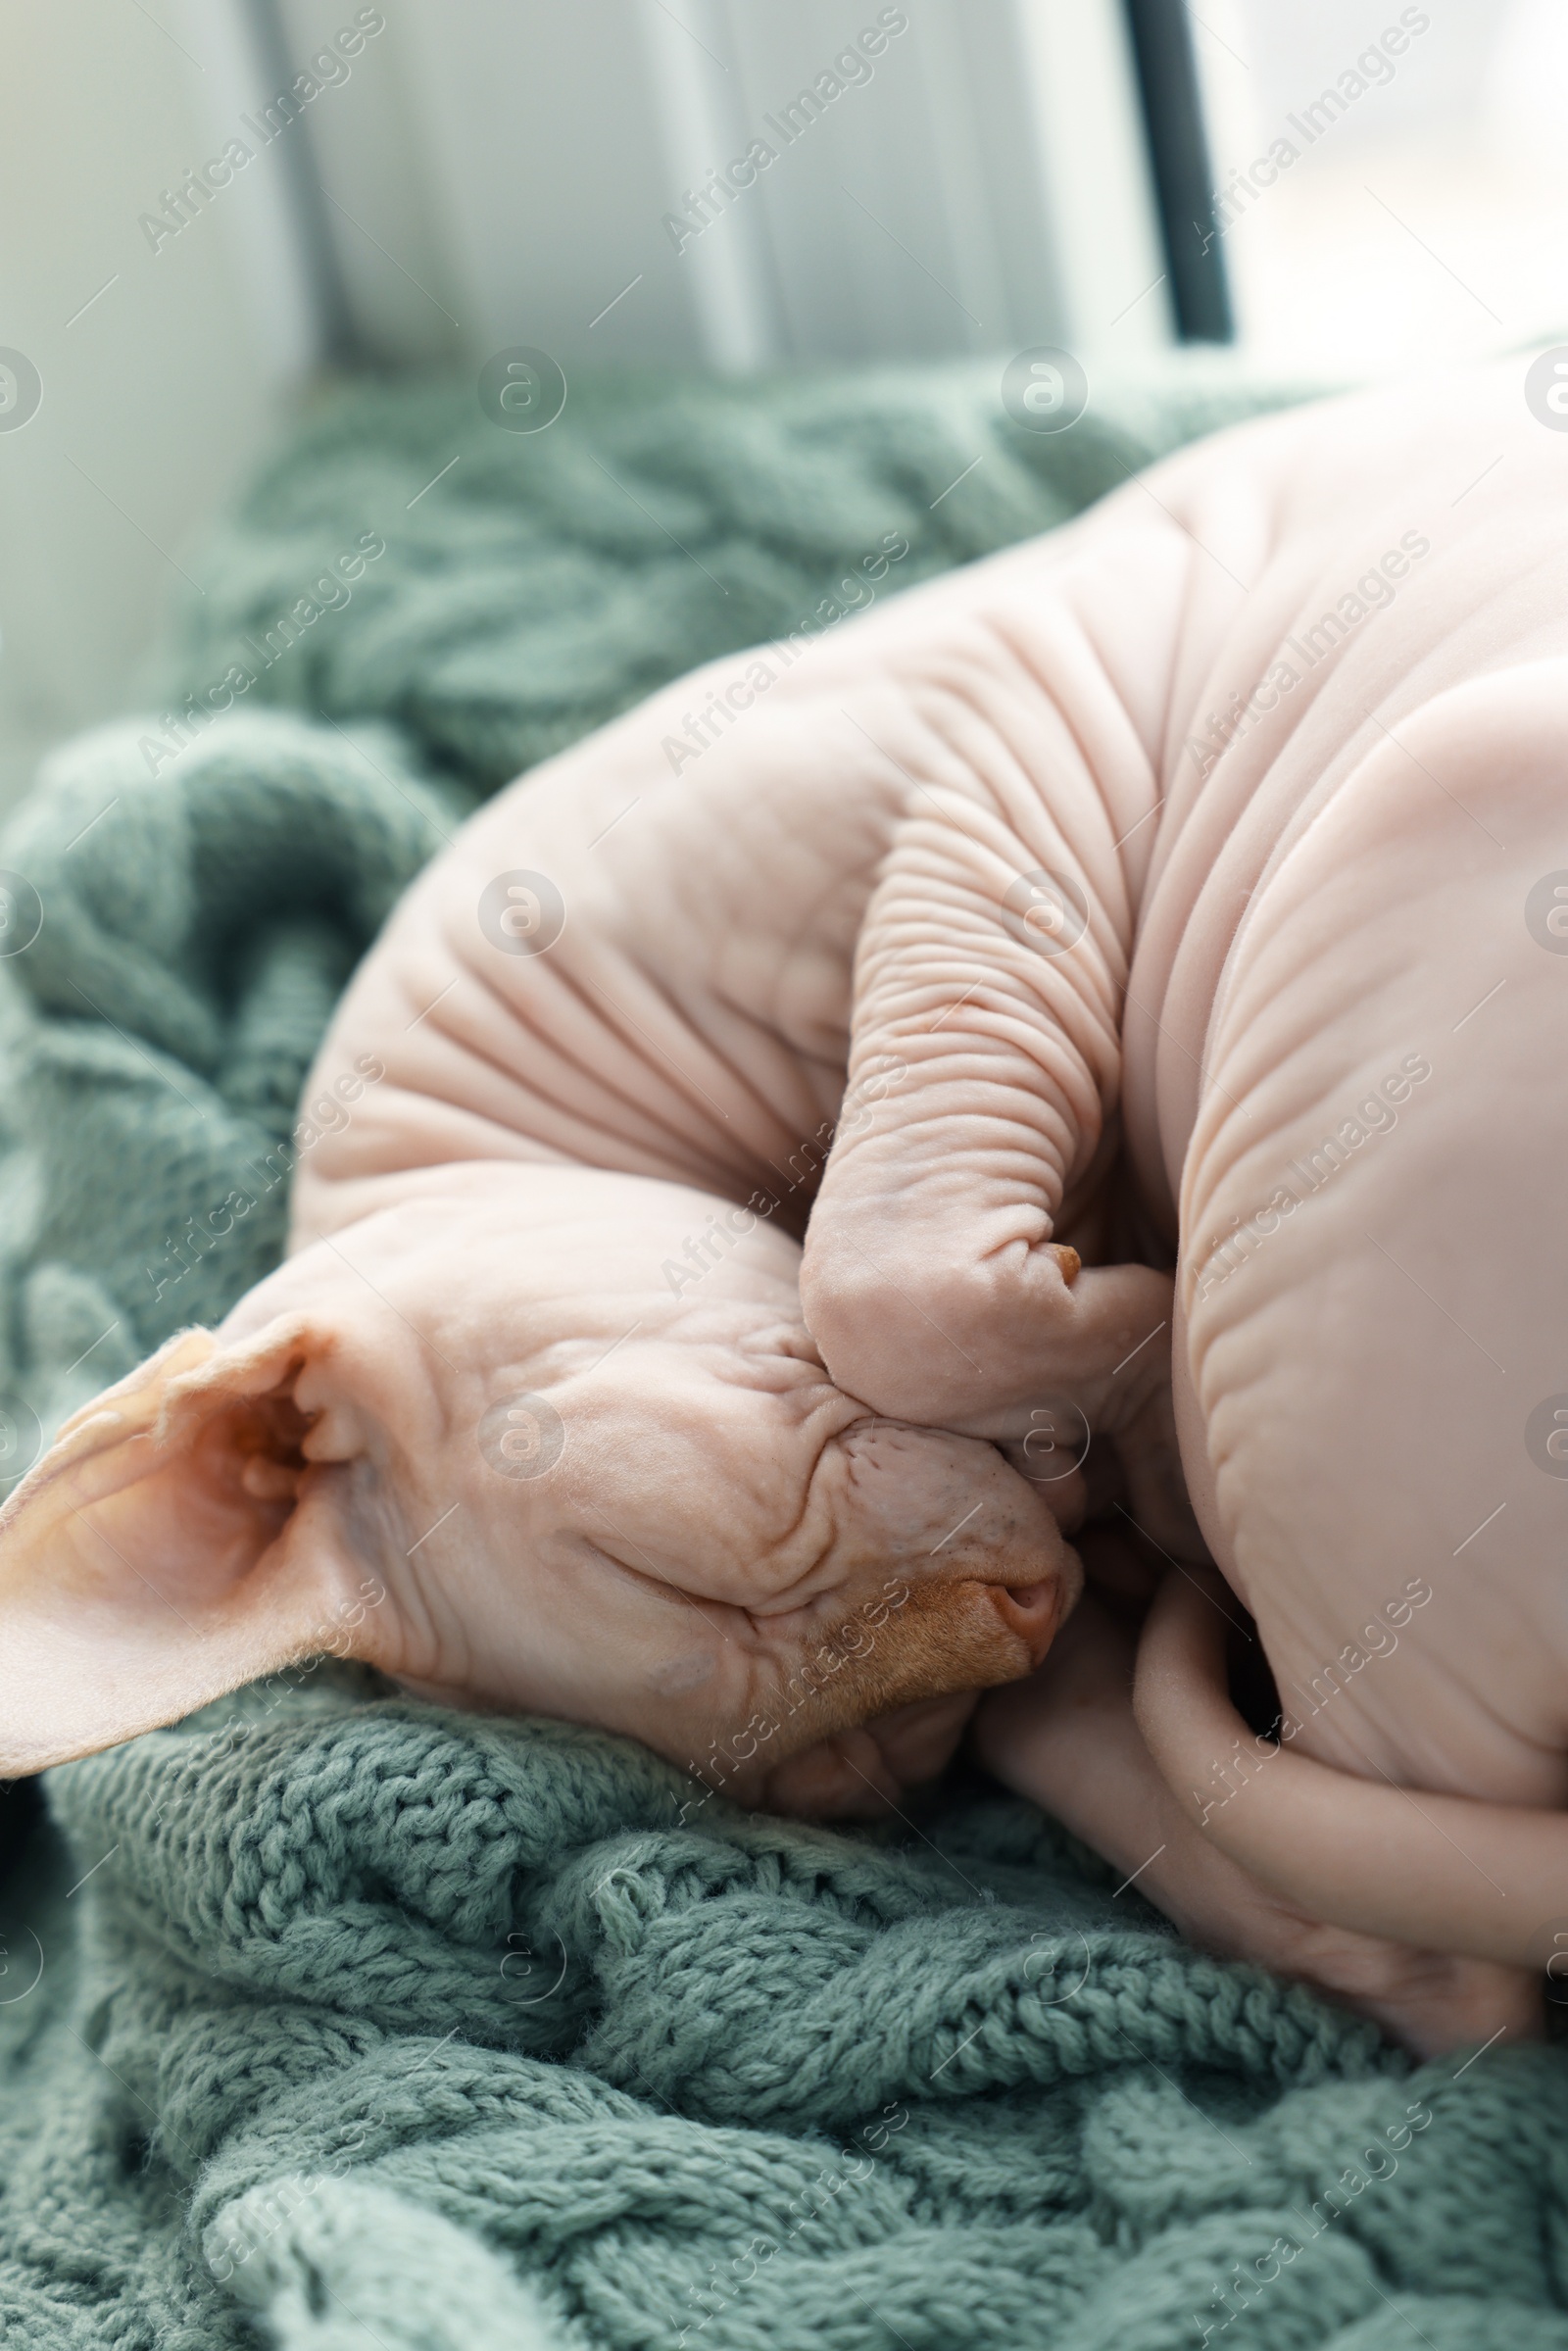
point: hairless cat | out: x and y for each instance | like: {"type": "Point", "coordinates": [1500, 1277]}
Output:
{"type": "Point", "coordinates": [1106, 994]}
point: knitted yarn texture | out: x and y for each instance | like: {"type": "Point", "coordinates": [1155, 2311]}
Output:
{"type": "Point", "coordinates": [330, 2019]}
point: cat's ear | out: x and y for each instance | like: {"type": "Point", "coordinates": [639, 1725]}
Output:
{"type": "Point", "coordinates": [172, 1543]}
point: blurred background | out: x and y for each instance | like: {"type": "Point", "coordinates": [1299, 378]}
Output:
{"type": "Point", "coordinates": [216, 208]}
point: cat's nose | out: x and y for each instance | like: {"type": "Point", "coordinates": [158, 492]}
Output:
{"type": "Point", "coordinates": [1032, 1612]}
{"type": "Point", "coordinates": [982, 1568]}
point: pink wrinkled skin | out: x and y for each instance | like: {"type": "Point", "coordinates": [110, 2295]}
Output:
{"type": "Point", "coordinates": [1288, 869]}
{"type": "Point", "coordinates": [1289, 920]}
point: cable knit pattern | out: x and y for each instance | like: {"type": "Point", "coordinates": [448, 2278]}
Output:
{"type": "Point", "coordinates": [358, 2022]}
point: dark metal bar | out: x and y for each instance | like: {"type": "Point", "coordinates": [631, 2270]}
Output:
{"type": "Point", "coordinates": [20, 1814]}
{"type": "Point", "coordinates": [1178, 153]}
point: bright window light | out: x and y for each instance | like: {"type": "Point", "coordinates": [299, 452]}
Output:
{"type": "Point", "coordinates": [1392, 182]}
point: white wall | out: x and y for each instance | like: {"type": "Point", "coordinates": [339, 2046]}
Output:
{"type": "Point", "coordinates": [491, 172]}
{"type": "Point", "coordinates": [156, 394]}
{"type": "Point", "coordinates": [979, 186]}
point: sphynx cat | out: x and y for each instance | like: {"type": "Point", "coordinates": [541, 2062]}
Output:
{"type": "Point", "coordinates": [1132, 967]}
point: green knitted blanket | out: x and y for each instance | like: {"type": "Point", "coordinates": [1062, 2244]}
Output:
{"type": "Point", "coordinates": [361, 2023]}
